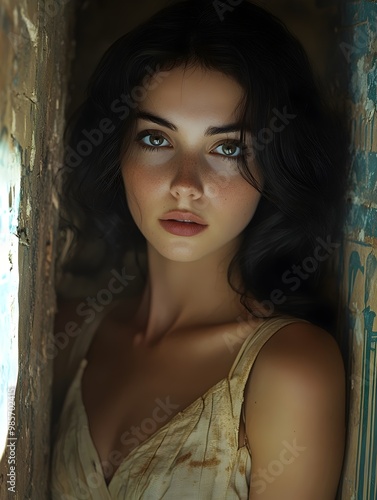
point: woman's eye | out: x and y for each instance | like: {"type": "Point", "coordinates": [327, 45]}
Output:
{"type": "Point", "coordinates": [154, 140]}
{"type": "Point", "coordinates": [229, 149]}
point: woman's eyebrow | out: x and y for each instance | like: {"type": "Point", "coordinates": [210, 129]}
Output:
{"type": "Point", "coordinates": [146, 115]}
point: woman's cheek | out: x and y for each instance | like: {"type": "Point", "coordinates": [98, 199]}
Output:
{"type": "Point", "coordinates": [218, 176]}
{"type": "Point", "coordinates": [149, 159]}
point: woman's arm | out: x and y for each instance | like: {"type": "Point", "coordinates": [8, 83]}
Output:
{"type": "Point", "coordinates": [295, 416]}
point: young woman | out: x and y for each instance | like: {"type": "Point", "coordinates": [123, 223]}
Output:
{"type": "Point", "coordinates": [204, 146]}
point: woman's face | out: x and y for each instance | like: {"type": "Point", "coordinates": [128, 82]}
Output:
{"type": "Point", "coordinates": [179, 159]}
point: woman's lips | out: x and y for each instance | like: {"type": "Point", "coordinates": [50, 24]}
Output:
{"type": "Point", "coordinates": [182, 228]}
{"type": "Point", "coordinates": [182, 223]}
{"type": "Point", "coordinates": [183, 215]}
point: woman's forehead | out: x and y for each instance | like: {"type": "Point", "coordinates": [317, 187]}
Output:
{"type": "Point", "coordinates": [194, 90]}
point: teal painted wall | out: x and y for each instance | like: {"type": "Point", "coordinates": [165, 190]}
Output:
{"type": "Point", "coordinates": [358, 259]}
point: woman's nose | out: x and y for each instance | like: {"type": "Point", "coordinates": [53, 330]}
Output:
{"type": "Point", "coordinates": [187, 181]}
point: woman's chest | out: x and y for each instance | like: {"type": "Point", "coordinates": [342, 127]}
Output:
{"type": "Point", "coordinates": [130, 392]}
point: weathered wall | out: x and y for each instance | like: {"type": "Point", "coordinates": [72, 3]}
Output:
{"type": "Point", "coordinates": [358, 260]}
{"type": "Point", "coordinates": [35, 41]}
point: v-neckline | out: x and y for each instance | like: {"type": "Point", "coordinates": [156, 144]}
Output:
{"type": "Point", "coordinates": [214, 388]}
{"type": "Point", "coordinates": [190, 408]}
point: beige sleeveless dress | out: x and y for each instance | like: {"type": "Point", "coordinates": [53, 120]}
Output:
{"type": "Point", "coordinates": [194, 456]}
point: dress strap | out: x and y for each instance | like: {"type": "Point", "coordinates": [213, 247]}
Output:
{"type": "Point", "coordinates": [246, 357]}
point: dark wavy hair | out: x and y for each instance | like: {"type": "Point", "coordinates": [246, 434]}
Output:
{"type": "Point", "coordinates": [302, 161]}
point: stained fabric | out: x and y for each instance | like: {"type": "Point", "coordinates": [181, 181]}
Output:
{"type": "Point", "coordinates": [194, 456]}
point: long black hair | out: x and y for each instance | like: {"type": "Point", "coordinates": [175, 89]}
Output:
{"type": "Point", "coordinates": [299, 145]}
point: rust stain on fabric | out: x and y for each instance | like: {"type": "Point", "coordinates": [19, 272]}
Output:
{"type": "Point", "coordinates": [204, 463]}
{"type": "Point", "coordinates": [183, 458]}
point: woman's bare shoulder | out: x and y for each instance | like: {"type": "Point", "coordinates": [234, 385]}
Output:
{"type": "Point", "coordinates": [301, 344]}
{"type": "Point", "coordinates": [298, 355]}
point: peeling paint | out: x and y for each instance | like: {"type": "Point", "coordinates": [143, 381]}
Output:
{"type": "Point", "coordinates": [359, 331]}
{"type": "Point", "coordinates": [32, 151]}
{"type": "Point", "coordinates": [10, 174]}
{"type": "Point", "coordinates": [370, 109]}
{"type": "Point", "coordinates": [28, 208]}
{"type": "Point", "coordinates": [32, 30]}
{"type": "Point", "coordinates": [359, 256]}
{"type": "Point", "coordinates": [15, 17]}
{"type": "Point", "coordinates": [55, 201]}
{"type": "Point", "coordinates": [35, 50]}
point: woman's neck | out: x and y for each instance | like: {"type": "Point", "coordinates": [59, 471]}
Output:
{"type": "Point", "coordinates": [182, 294]}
